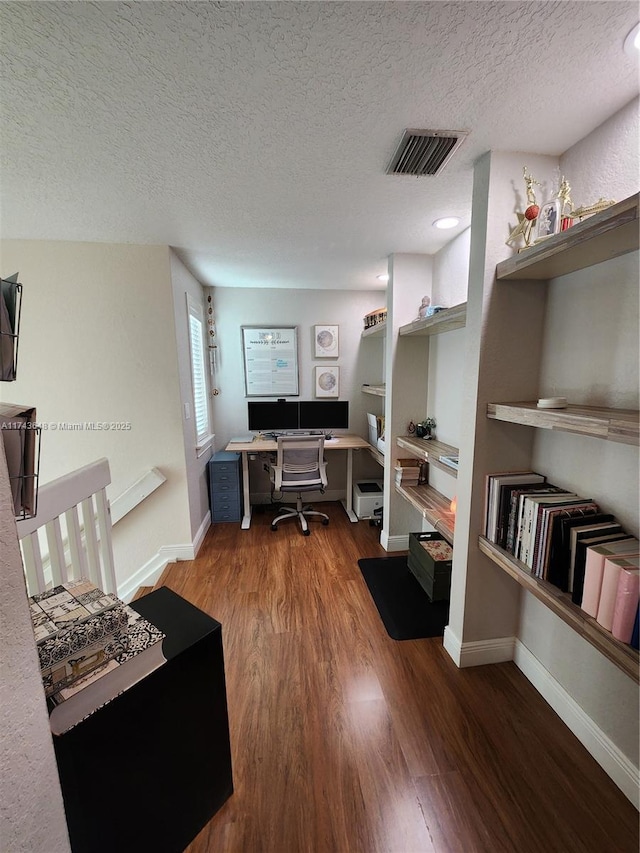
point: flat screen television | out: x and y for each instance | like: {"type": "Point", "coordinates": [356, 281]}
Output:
{"type": "Point", "coordinates": [272, 416]}
{"type": "Point", "coordinates": [324, 414]}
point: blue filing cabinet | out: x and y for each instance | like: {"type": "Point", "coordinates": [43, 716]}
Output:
{"type": "Point", "coordinates": [225, 492]}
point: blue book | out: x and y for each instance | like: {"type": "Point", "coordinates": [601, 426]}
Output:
{"type": "Point", "coordinates": [634, 635]}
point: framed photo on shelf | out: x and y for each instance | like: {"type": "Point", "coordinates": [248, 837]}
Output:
{"type": "Point", "coordinates": [326, 341]}
{"type": "Point", "coordinates": [548, 222]}
{"type": "Point", "coordinates": [327, 381]}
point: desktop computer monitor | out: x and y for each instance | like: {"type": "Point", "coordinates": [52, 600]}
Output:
{"type": "Point", "coordinates": [271, 416]}
{"type": "Point", "coordinates": [324, 414]}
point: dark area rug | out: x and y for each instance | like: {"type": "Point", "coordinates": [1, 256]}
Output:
{"type": "Point", "coordinates": [403, 605]}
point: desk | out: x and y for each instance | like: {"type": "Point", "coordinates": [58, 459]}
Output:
{"type": "Point", "coordinates": [150, 768]}
{"type": "Point", "coordinates": [260, 445]}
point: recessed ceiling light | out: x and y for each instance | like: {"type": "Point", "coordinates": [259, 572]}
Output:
{"type": "Point", "coordinates": [447, 222]}
{"type": "Point", "coordinates": [632, 41]}
{"type": "Point", "coordinates": [383, 277]}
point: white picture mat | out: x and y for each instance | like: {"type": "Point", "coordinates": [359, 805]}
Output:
{"type": "Point", "coordinates": [327, 381]}
{"type": "Point", "coordinates": [325, 339]}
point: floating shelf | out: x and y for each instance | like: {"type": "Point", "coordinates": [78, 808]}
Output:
{"type": "Point", "coordinates": [376, 331]}
{"type": "Point", "coordinates": [622, 655]}
{"type": "Point", "coordinates": [375, 390]}
{"type": "Point", "coordinates": [433, 506]}
{"type": "Point", "coordinates": [429, 450]}
{"type": "Point", "coordinates": [620, 425]}
{"type": "Point", "coordinates": [599, 238]}
{"type": "Point", "coordinates": [444, 321]}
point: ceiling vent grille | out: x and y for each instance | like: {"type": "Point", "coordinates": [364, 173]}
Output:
{"type": "Point", "coordinates": [425, 152]}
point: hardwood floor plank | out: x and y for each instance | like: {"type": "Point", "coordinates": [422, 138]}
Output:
{"type": "Point", "coordinates": [346, 741]}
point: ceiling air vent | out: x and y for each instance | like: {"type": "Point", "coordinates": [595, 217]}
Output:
{"type": "Point", "coordinates": [425, 152]}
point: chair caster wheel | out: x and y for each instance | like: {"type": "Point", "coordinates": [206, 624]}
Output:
{"type": "Point", "coordinates": [273, 528]}
{"type": "Point", "coordinates": [325, 522]}
{"type": "Point", "coordinates": [306, 533]}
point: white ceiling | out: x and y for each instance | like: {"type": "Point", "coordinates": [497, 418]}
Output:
{"type": "Point", "coordinates": [254, 137]}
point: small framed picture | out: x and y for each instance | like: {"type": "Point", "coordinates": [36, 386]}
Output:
{"type": "Point", "coordinates": [327, 381]}
{"type": "Point", "coordinates": [326, 341]}
{"type": "Point", "coordinates": [548, 222]}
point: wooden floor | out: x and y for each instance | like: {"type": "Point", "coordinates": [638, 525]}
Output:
{"type": "Point", "coordinates": [346, 741]}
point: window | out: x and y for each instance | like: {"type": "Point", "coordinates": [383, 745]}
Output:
{"type": "Point", "coordinates": [198, 374]}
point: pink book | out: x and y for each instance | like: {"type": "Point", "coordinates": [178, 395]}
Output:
{"type": "Point", "coordinates": [594, 565]}
{"type": "Point", "coordinates": [626, 606]}
{"type": "Point", "coordinates": [613, 567]}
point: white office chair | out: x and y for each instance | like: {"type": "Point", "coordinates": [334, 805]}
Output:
{"type": "Point", "coordinates": [299, 467]}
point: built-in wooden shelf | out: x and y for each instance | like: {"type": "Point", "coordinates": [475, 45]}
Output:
{"type": "Point", "coordinates": [620, 425]}
{"type": "Point", "coordinates": [622, 655]}
{"type": "Point", "coordinates": [429, 450]}
{"type": "Point", "coordinates": [433, 506]}
{"type": "Point", "coordinates": [599, 238]}
{"type": "Point", "coordinates": [444, 321]}
{"type": "Point", "coordinates": [375, 390]}
{"type": "Point", "coordinates": [376, 331]}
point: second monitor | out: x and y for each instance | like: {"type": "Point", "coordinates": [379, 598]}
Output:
{"type": "Point", "coordinates": [303, 414]}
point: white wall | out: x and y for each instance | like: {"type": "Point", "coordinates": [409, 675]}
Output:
{"type": "Point", "coordinates": [196, 461]}
{"type": "Point", "coordinates": [98, 344]}
{"type": "Point", "coordinates": [235, 308]}
{"type": "Point", "coordinates": [32, 818]}
{"type": "Point", "coordinates": [451, 271]}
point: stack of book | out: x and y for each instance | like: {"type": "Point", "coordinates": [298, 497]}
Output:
{"type": "Point", "coordinates": [556, 534]}
{"type": "Point", "coordinates": [611, 588]}
{"type": "Point", "coordinates": [92, 647]}
{"type": "Point", "coordinates": [407, 472]}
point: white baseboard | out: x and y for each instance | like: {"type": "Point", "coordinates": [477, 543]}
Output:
{"type": "Point", "coordinates": [479, 652]}
{"type": "Point", "coordinates": [148, 574]}
{"type": "Point", "coordinates": [394, 543]}
{"type": "Point", "coordinates": [606, 753]}
{"type": "Point", "coordinates": [202, 532]}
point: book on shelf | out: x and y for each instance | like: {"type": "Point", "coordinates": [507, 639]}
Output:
{"type": "Point", "coordinates": [451, 461]}
{"type": "Point", "coordinates": [582, 546]}
{"type": "Point", "coordinates": [141, 655]}
{"type": "Point", "coordinates": [606, 531]}
{"type": "Point", "coordinates": [587, 593]}
{"type": "Point", "coordinates": [552, 517]}
{"type": "Point", "coordinates": [77, 628]}
{"type": "Point", "coordinates": [626, 604]}
{"type": "Point", "coordinates": [611, 574]}
{"type": "Point", "coordinates": [559, 553]}
{"type": "Point", "coordinates": [515, 501]}
{"type": "Point", "coordinates": [528, 518]}
{"type": "Point", "coordinates": [635, 634]}
{"type": "Point", "coordinates": [497, 495]}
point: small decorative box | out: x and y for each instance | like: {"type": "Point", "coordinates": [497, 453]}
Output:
{"type": "Point", "coordinates": [77, 628]}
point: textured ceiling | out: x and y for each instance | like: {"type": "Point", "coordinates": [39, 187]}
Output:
{"type": "Point", "coordinates": [254, 137]}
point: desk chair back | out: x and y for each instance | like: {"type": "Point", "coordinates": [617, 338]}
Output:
{"type": "Point", "coordinates": [300, 464]}
{"type": "Point", "coordinates": [300, 467]}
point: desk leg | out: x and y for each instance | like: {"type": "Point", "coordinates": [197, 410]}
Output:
{"type": "Point", "coordinates": [246, 518]}
{"type": "Point", "coordinates": [348, 504]}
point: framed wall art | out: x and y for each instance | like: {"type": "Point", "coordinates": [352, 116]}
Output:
{"type": "Point", "coordinates": [270, 360]}
{"type": "Point", "coordinates": [327, 381]}
{"type": "Point", "coordinates": [326, 341]}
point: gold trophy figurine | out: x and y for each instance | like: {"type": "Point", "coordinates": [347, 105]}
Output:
{"type": "Point", "coordinates": [527, 219]}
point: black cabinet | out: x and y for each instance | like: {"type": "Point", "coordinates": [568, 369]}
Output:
{"type": "Point", "coordinates": [149, 769]}
{"type": "Point", "coordinates": [225, 493]}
